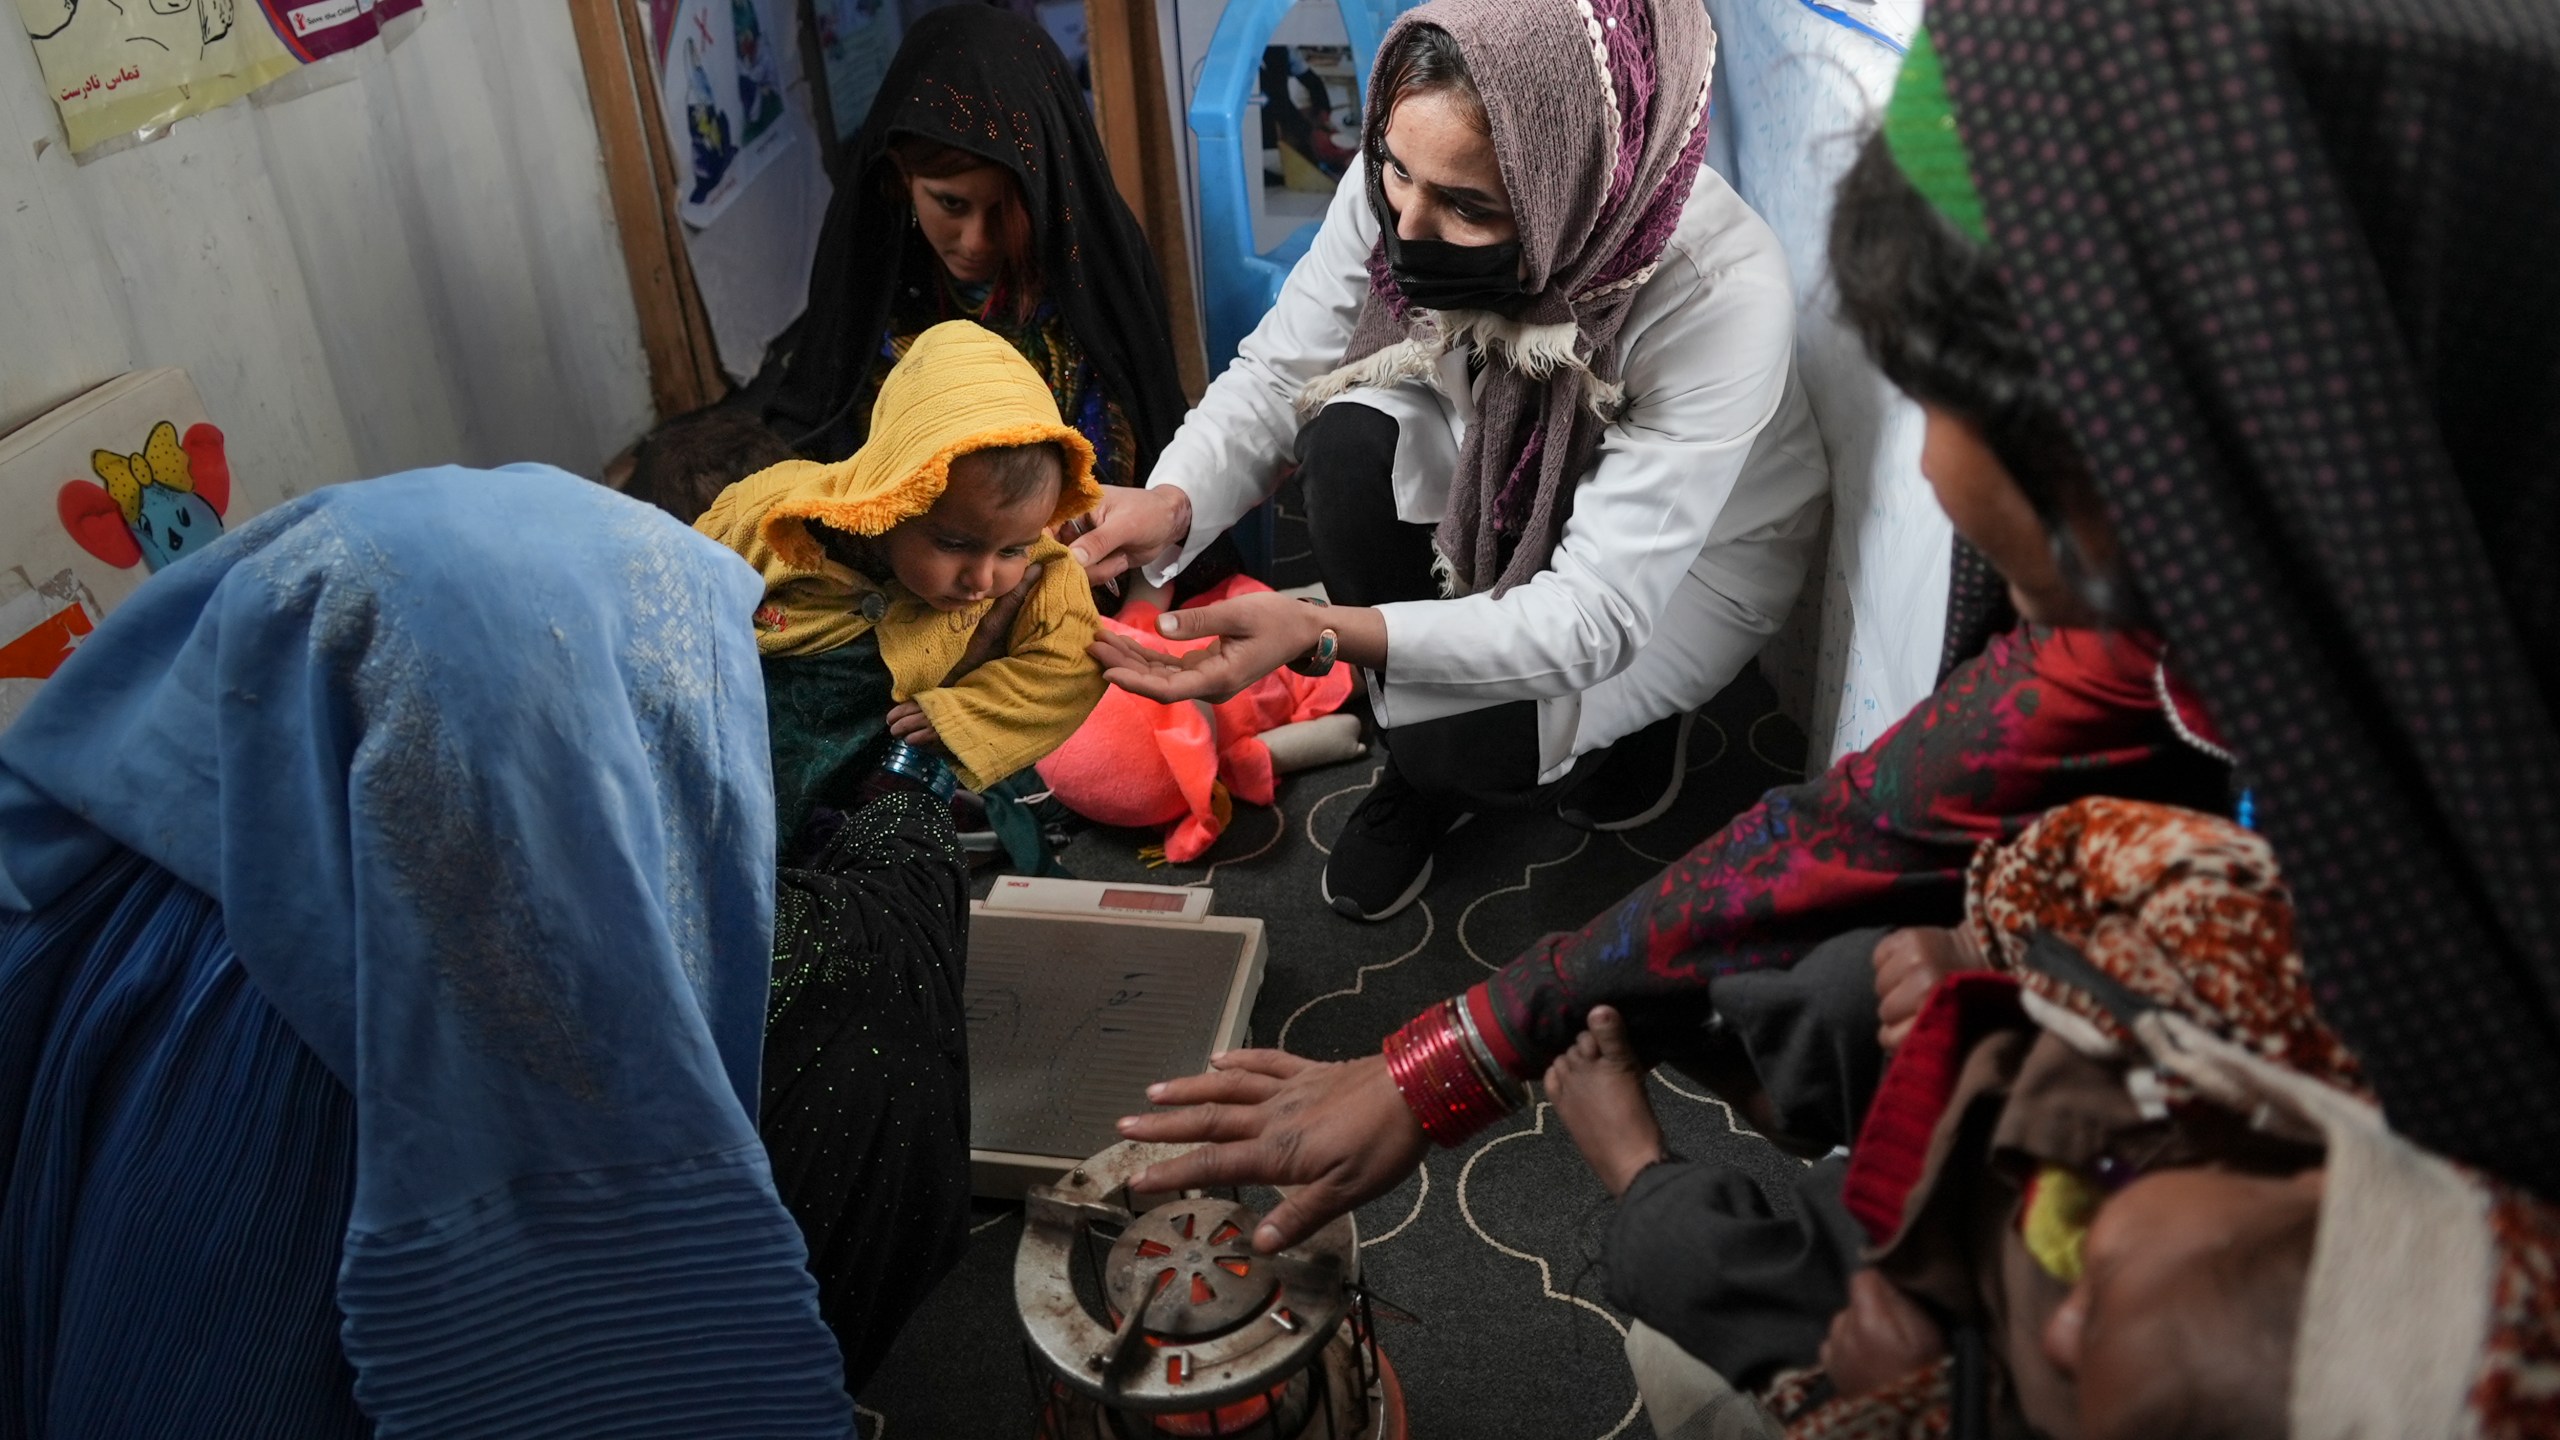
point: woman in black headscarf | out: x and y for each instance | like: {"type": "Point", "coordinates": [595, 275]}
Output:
{"type": "Point", "coordinates": [2289, 265]}
{"type": "Point", "coordinates": [978, 190]}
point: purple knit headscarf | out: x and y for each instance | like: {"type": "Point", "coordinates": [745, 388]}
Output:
{"type": "Point", "coordinates": [1599, 116]}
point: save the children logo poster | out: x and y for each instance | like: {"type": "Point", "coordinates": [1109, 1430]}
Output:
{"type": "Point", "coordinates": [720, 88]}
{"type": "Point", "coordinates": [117, 66]}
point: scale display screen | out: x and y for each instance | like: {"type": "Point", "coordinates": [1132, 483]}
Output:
{"type": "Point", "coordinates": [1151, 901]}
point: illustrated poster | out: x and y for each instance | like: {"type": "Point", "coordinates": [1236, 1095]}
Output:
{"type": "Point", "coordinates": [40, 625]}
{"type": "Point", "coordinates": [720, 88]}
{"type": "Point", "coordinates": [96, 495]}
{"type": "Point", "coordinates": [114, 67]}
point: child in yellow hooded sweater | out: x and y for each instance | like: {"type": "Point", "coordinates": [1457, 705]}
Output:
{"type": "Point", "coordinates": [879, 568]}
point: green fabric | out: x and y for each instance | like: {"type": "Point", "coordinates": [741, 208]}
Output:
{"type": "Point", "coordinates": [828, 715]}
{"type": "Point", "coordinates": [828, 718]}
{"type": "Point", "coordinates": [1920, 130]}
{"type": "Point", "coordinates": [1014, 812]}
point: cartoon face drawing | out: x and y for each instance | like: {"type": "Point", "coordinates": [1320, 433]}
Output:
{"type": "Point", "coordinates": [181, 28]}
{"type": "Point", "coordinates": [154, 507]}
{"type": "Point", "coordinates": [172, 523]}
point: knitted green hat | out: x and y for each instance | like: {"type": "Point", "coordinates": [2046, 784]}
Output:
{"type": "Point", "coordinates": [1920, 131]}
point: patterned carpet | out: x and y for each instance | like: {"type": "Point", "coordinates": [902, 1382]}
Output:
{"type": "Point", "coordinates": [1492, 1247]}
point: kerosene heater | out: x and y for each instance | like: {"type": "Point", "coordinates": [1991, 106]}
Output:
{"type": "Point", "coordinates": [1150, 1316]}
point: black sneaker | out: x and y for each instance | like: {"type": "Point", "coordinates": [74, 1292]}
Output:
{"type": "Point", "coordinates": [1636, 780]}
{"type": "Point", "coordinates": [1382, 859]}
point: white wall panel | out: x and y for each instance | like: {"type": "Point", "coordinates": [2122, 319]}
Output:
{"type": "Point", "coordinates": [1796, 93]}
{"type": "Point", "coordinates": [415, 265]}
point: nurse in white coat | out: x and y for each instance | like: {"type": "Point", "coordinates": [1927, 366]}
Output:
{"type": "Point", "coordinates": [1535, 375]}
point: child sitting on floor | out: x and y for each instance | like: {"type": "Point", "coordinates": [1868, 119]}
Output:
{"type": "Point", "coordinates": [879, 569]}
{"type": "Point", "coordinates": [2124, 1182]}
{"type": "Point", "coordinates": [2134, 1159]}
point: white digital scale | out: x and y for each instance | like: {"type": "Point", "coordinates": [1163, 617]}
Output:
{"type": "Point", "coordinates": [1080, 994]}
{"type": "Point", "coordinates": [1097, 898]}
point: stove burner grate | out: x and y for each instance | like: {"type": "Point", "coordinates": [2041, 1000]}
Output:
{"type": "Point", "coordinates": [1151, 1316]}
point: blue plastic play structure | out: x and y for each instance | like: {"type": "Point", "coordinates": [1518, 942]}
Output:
{"type": "Point", "coordinates": [1241, 281]}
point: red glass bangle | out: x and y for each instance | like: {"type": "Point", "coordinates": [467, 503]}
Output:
{"type": "Point", "coordinates": [1439, 1081]}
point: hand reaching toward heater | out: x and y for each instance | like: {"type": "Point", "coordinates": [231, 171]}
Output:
{"type": "Point", "coordinates": [1335, 1134]}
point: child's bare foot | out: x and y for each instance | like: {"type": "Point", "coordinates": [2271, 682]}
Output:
{"type": "Point", "coordinates": [1597, 1088]}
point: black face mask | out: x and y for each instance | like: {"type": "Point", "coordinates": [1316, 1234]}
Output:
{"type": "Point", "coordinates": [1437, 275]}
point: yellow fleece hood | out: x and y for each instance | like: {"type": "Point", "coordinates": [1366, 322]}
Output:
{"type": "Point", "coordinates": [961, 388]}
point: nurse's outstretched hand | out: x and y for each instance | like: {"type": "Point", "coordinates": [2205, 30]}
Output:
{"type": "Point", "coordinates": [1338, 1133]}
{"type": "Point", "coordinates": [1250, 636]}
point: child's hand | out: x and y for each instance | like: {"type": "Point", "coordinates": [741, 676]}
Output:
{"type": "Point", "coordinates": [1882, 1336]}
{"type": "Point", "coordinates": [1909, 964]}
{"type": "Point", "coordinates": [907, 723]}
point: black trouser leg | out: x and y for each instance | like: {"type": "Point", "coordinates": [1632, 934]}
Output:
{"type": "Point", "coordinates": [1346, 464]}
{"type": "Point", "coordinates": [1484, 759]}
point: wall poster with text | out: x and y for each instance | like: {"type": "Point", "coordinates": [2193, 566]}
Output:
{"type": "Point", "coordinates": [115, 67]}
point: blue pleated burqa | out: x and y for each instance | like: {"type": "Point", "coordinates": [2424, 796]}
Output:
{"type": "Point", "coordinates": [385, 920]}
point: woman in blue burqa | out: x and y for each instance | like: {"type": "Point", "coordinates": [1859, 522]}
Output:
{"type": "Point", "coordinates": [386, 916]}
